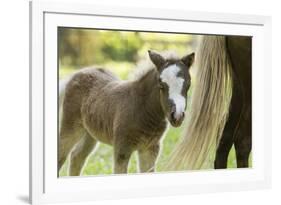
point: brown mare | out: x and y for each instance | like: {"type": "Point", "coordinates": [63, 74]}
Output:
{"type": "Point", "coordinates": [238, 128]}
{"type": "Point", "coordinates": [129, 115]}
{"type": "Point", "coordinates": [221, 106]}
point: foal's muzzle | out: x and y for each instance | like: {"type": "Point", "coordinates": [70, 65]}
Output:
{"type": "Point", "coordinates": [176, 119]}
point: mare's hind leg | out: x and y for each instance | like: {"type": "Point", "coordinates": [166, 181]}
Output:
{"type": "Point", "coordinates": [243, 140]}
{"type": "Point", "coordinates": [80, 153]}
{"type": "Point", "coordinates": [148, 157]}
{"type": "Point", "coordinates": [228, 134]}
{"type": "Point", "coordinates": [224, 147]}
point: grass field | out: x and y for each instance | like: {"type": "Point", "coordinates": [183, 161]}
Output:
{"type": "Point", "coordinates": [100, 161]}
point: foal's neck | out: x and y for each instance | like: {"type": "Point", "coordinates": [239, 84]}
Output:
{"type": "Point", "coordinates": [148, 90]}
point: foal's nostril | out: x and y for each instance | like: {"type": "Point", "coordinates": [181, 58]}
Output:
{"type": "Point", "coordinates": [173, 115]}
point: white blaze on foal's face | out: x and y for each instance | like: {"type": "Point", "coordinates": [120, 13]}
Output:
{"type": "Point", "coordinates": [175, 84]}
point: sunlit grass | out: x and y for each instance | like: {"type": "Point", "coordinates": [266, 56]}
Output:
{"type": "Point", "coordinates": [101, 160]}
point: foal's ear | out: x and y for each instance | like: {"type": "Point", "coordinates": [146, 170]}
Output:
{"type": "Point", "coordinates": [156, 59]}
{"type": "Point", "coordinates": [188, 59]}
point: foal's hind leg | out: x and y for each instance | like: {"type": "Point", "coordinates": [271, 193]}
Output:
{"type": "Point", "coordinates": [80, 153]}
{"type": "Point", "coordinates": [148, 157]}
{"type": "Point", "coordinates": [70, 134]}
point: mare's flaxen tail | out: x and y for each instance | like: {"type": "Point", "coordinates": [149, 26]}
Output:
{"type": "Point", "coordinates": [209, 106]}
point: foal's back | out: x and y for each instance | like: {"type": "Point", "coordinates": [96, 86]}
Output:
{"type": "Point", "coordinates": [83, 82]}
{"type": "Point", "coordinates": [90, 102]}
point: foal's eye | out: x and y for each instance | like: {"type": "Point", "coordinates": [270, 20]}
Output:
{"type": "Point", "coordinates": [160, 84]}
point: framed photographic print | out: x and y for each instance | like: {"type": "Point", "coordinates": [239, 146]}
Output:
{"type": "Point", "coordinates": [128, 102]}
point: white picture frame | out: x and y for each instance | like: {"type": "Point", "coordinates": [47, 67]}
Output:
{"type": "Point", "coordinates": [46, 187]}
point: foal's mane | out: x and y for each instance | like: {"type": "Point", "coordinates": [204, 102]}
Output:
{"type": "Point", "coordinates": [145, 66]}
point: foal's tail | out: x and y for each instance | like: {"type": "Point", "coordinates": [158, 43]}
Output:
{"type": "Point", "coordinates": [209, 106]}
{"type": "Point", "coordinates": [62, 86]}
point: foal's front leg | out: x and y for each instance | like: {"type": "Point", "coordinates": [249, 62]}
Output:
{"type": "Point", "coordinates": [122, 154]}
{"type": "Point", "coordinates": [148, 157]}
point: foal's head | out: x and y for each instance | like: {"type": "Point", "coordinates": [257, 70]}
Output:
{"type": "Point", "coordinates": [174, 82]}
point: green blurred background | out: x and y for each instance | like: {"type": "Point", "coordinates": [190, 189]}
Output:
{"type": "Point", "coordinates": [119, 51]}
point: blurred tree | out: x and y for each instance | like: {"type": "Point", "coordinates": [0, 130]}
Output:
{"type": "Point", "coordinates": [84, 47]}
{"type": "Point", "coordinates": [121, 46]}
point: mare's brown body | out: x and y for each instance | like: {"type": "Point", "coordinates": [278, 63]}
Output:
{"type": "Point", "coordinates": [238, 128]}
